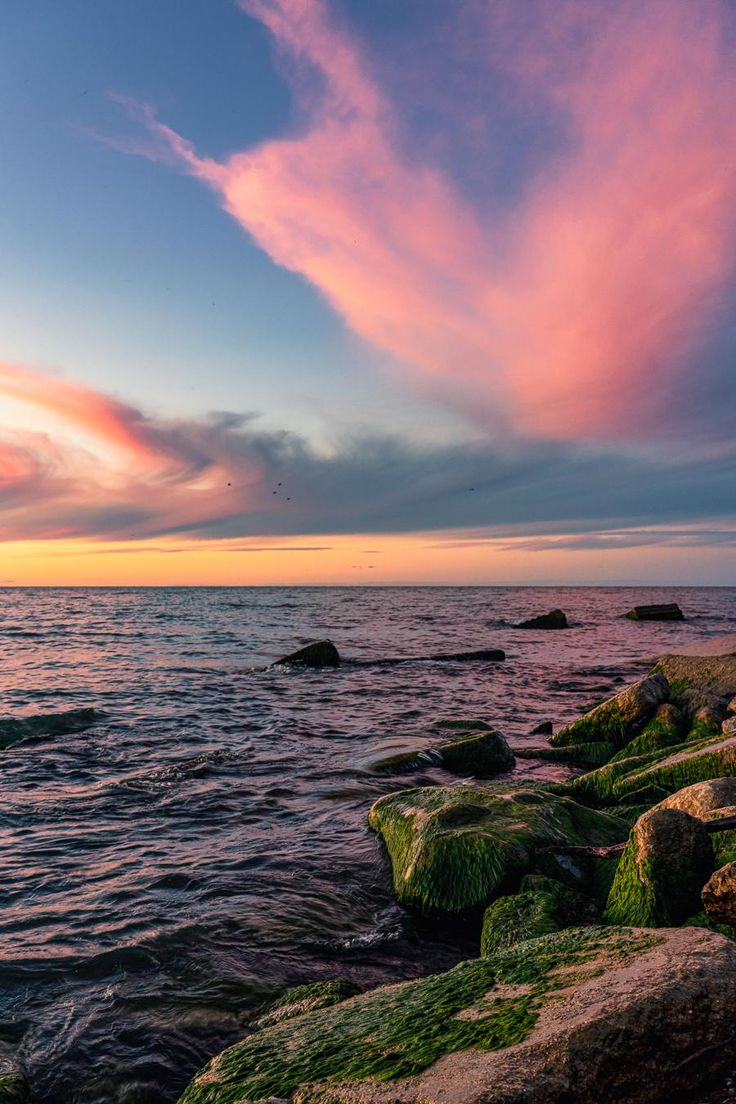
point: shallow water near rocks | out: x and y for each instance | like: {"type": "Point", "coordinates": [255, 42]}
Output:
{"type": "Point", "coordinates": [205, 845]}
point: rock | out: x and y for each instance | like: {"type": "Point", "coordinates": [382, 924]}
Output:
{"type": "Point", "coordinates": [14, 1087]}
{"type": "Point", "coordinates": [703, 797]}
{"type": "Point", "coordinates": [46, 725]}
{"type": "Point", "coordinates": [658, 881]}
{"type": "Point", "coordinates": [496, 655]}
{"type": "Point", "coordinates": [555, 619]}
{"type": "Point", "coordinates": [586, 755]}
{"type": "Point", "coordinates": [669, 611]}
{"type": "Point", "coordinates": [541, 906]}
{"type": "Point", "coordinates": [482, 754]}
{"type": "Point", "coordinates": [620, 718]}
{"type": "Point", "coordinates": [544, 728]}
{"type": "Point", "coordinates": [665, 729]}
{"type": "Point", "coordinates": [719, 896]}
{"type": "Point", "coordinates": [586, 1015]}
{"type": "Point", "coordinates": [729, 726]}
{"type": "Point", "coordinates": [322, 653]}
{"type": "Point", "coordinates": [305, 998]}
{"type": "Point", "coordinates": [681, 766]}
{"type": "Point", "coordinates": [453, 849]}
{"type": "Point", "coordinates": [714, 674]}
{"type": "Point", "coordinates": [731, 707]}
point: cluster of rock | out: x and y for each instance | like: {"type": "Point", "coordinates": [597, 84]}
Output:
{"type": "Point", "coordinates": [605, 909]}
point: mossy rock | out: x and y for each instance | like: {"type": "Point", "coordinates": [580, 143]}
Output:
{"type": "Point", "coordinates": [595, 788]}
{"type": "Point", "coordinates": [619, 719]}
{"type": "Point", "coordinates": [667, 727]}
{"type": "Point", "coordinates": [399, 1031]}
{"type": "Point", "coordinates": [14, 1087]}
{"type": "Point", "coordinates": [542, 905]}
{"type": "Point", "coordinates": [682, 766]}
{"type": "Point", "coordinates": [586, 755]}
{"type": "Point", "coordinates": [46, 725]}
{"type": "Point", "coordinates": [453, 849]}
{"type": "Point", "coordinates": [306, 998]}
{"type": "Point", "coordinates": [667, 860]}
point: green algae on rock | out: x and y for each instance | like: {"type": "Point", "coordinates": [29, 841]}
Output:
{"type": "Point", "coordinates": [585, 1014]}
{"type": "Point", "coordinates": [667, 860]}
{"type": "Point", "coordinates": [46, 725]}
{"type": "Point", "coordinates": [666, 728]}
{"type": "Point", "coordinates": [542, 905]}
{"type": "Point", "coordinates": [619, 719]}
{"type": "Point", "coordinates": [685, 764]}
{"type": "Point", "coordinates": [453, 849]}
{"type": "Point", "coordinates": [398, 1031]}
{"type": "Point", "coordinates": [305, 998]}
{"type": "Point", "coordinates": [14, 1087]}
{"type": "Point", "coordinates": [587, 755]}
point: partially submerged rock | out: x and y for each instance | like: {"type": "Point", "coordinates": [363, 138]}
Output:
{"type": "Point", "coordinates": [482, 754]}
{"type": "Point", "coordinates": [666, 611]}
{"type": "Point", "coordinates": [619, 719]}
{"type": "Point", "coordinates": [304, 998]}
{"type": "Point", "coordinates": [45, 725]}
{"type": "Point", "coordinates": [719, 895]}
{"type": "Point", "coordinates": [588, 1014]}
{"type": "Point", "coordinates": [322, 653]}
{"type": "Point", "coordinates": [658, 881]}
{"type": "Point", "coordinates": [555, 619]}
{"type": "Point", "coordinates": [454, 848]}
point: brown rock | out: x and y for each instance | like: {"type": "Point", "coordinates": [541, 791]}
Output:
{"type": "Point", "coordinates": [703, 798]}
{"type": "Point", "coordinates": [719, 895]}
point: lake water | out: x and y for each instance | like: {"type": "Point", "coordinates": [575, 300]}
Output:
{"type": "Point", "coordinates": [205, 845]}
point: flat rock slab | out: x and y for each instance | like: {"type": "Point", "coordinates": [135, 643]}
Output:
{"type": "Point", "coordinates": [587, 1015]}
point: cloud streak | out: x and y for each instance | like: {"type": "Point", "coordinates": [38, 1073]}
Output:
{"type": "Point", "coordinates": [578, 308]}
{"type": "Point", "coordinates": [134, 477]}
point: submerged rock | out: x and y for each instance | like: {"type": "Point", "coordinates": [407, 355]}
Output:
{"type": "Point", "coordinates": [619, 719]}
{"type": "Point", "coordinates": [555, 619]}
{"type": "Point", "coordinates": [589, 1014]}
{"type": "Point", "coordinates": [453, 849]}
{"type": "Point", "coordinates": [667, 611]}
{"type": "Point", "coordinates": [322, 653]}
{"type": "Point", "coordinates": [305, 998]}
{"type": "Point", "coordinates": [44, 725]}
{"type": "Point", "coordinates": [719, 896]}
{"type": "Point", "coordinates": [658, 881]}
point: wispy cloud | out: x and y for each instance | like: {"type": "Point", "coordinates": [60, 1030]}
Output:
{"type": "Point", "coordinates": [580, 308]}
{"type": "Point", "coordinates": [135, 477]}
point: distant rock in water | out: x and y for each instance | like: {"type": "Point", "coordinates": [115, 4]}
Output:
{"type": "Point", "coordinates": [44, 725]}
{"type": "Point", "coordinates": [544, 728]}
{"type": "Point", "coordinates": [669, 611]}
{"type": "Point", "coordinates": [555, 619]}
{"type": "Point", "coordinates": [322, 653]}
{"type": "Point", "coordinates": [495, 655]}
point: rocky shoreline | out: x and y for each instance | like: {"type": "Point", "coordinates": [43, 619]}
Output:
{"type": "Point", "coordinates": [604, 907]}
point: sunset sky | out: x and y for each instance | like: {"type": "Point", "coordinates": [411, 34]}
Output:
{"type": "Point", "coordinates": [367, 291]}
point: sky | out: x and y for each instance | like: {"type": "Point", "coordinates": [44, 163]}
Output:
{"type": "Point", "coordinates": [363, 292]}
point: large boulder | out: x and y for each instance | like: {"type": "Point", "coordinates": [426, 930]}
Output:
{"type": "Point", "coordinates": [619, 719]}
{"type": "Point", "coordinates": [667, 860]}
{"type": "Point", "coordinates": [666, 611]}
{"type": "Point", "coordinates": [719, 896]}
{"type": "Point", "coordinates": [667, 772]}
{"type": "Point", "coordinates": [322, 653]}
{"type": "Point", "coordinates": [703, 798]}
{"type": "Point", "coordinates": [586, 1015]}
{"type": "Point", "coordinates": [555, 619]}
{"type": "Point", "coordinates": [453, 849]}
{"type": "Point", "coordinates": [666, 728]}
{"type": "Point", "coordinates": [13, 730]}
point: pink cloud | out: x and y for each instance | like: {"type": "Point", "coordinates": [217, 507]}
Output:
{"type": "Point", "coordinates": [574, 313]}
